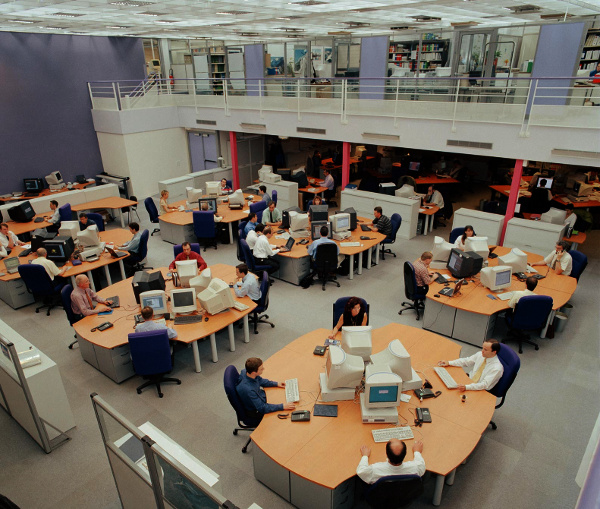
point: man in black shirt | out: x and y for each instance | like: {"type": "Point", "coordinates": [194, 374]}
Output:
{"type": "Point", "coordinates": [381, 223]}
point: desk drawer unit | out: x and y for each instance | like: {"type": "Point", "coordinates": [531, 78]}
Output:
{"type": "Point", "coordinates": [15, 294]}
{"type": "Point", "coordinates": [293, 270]}
{"type": "Point", "coordinates": [116, 363]}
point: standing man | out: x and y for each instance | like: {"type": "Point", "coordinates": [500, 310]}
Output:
{"type": "Point", "coordinates": [395, 450]}
{"type": "Point", "coordinates": [51, 269]}
{"type": "Point", "coordinates": [381, 223]}
{"type": "Point", "coordinates": [422, 275]}
{"type": "Point", "coordinates": [247, 284]}
{"type": "Point", "coordinates": [262, 192]}
{"type": "Point", "coordinates": [263, 252]}
{"type": "Point", "coordinates": [271, 216]}
{"type": "Point", "coordinates": [486, 368]}
{"type": "Point", "coordinates": [188, 254]}
{"type": "Point", "coordinates": [54, 218]}
{"type": "Point", "coordinates": [558, 260]}
{"type": "Point", "coordinates": [83, 297]}
{"type": "Point", "coordinates": [7, 238]}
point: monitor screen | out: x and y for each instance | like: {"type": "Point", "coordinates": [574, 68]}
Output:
{"type": "Point", "coordinates": [153, 301]}
{"type": "Point", "coordinates": [316, 229]}
{"type": "Point", "coordinates": [455, 261]}
{"type": "Point", "coordinates": [383, 394]}
{"type": "Point", "coordinates": [343, 223]}
{"type": "Point", "coordinates": [414, 166]}
{"type": "Point", "coordinates": [545, 182]}
{"type": "Point", "coordinates": [55, 251]}
{"type": "Point", "coordinates": [33, 185]}
{"type": "Point", "coordinates": [207, 204]}
{"type": "Point", "coordinates": [503, 278]}
{"type": "Point", "coordinates": [183, 299]}
{"type": "Point", "coordinates": [576, 187]}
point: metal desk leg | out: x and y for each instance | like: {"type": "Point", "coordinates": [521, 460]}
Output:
{"type": "Point", "coordinates": [231, 338]}
{"type": "Point", "coordinates": [450, 478]}
{"type": "Point", "coordinates": [548, 322]}
{"type": "Point", "coordinates": [89, 275]}
{"type": "Point", "coordinates": [246, 330]}
{"type": "Point", "coordinates": [213, 347]}
{"type": "Point", "coordinates": [230, 233]}
{"type": "Point", "coordinates": [431, 221]}
{"type": "Point", "coordinates": [196, 356]}
{"type": "Point", "coordinates": [73, 282]}
{"type": "Point", "coordinates": [121, 217]}
{"type": "Point", "coordinates": [107, 274]}
{"type": "Point", "coordinates": [369, 258]}
{"type": "Point", "coordinates": [351, 271]}
{"type": "Point", "coordinates": [437, 491]}
{"type": "Point", "coordinates": [360, 259]}
{"type": "Point", "coordinates": [122, 267]}
{"type": "Point", "coordinates": [377, 249]}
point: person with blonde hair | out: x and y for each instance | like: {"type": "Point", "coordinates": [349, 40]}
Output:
{"type": "Point", "coordinates": [164, 206]}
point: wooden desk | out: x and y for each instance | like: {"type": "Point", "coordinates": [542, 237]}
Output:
{"type": "Point", "coordinates": [471, 316]}
{"type": "Point", "coordinates": [46, 192]}
{"type": "Point", "coordinates": [505, 191]}
{"type": "Point", "coordinates": [296, 460]}
{"type": "Point", "coordinates": [435, 180]}
{"type": "Point", "coordinates": [429, 212]}
{"type": "Point", "coordinates": [21, 228]}
{"type": "Point", "coordinates": [108, 351]}
{"type": "Point", "coordinates": [577, 204]}
{"type": "Point", "coordinates": [113, 202]}
{"type": "Point", "coordinates": [313, 190]}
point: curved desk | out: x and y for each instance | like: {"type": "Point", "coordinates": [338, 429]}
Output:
{"type": "Point", "coordinates": [108, 351]}
{"type": "Point", "coordinates": [471, 315]}
{"type": "Point", "coordinates": [114, 203]}
{"type": "Point", "coordinates": [312, 464]}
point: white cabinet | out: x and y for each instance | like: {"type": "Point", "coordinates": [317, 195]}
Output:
{"type": "Point", "coordinates": [533, 236]}
{"type": "Point", "coordinates": [485, 224]}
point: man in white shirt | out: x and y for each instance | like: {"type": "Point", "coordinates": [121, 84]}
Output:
{"type": "Point", "coordinates": [51, 268]}
{"type": "Point", "coordinates": [149, 324]}
{"type": "Point", "coordinates": [7, 238]}
{"type": "Point", "coordinates": [486, 368]}
{"type": "Point", "coordinates": [558, 260]}
{"type": "Point", "coordinates": [54, 218]}
{"type": "Point", "coordinates": [247, 284]}
{"type": "Point", "coordinates": [395, 451]}
{"type": "Point", "coordinates": [263, 252]}
{"type": "Point", "coordinates": [433, 197]}
{"type": "Point", "coordinates": [571, 218]}
{"type": "Point", "coordinates": [531, 283]}
{"type": "Point", "coordinates": [254, 234]}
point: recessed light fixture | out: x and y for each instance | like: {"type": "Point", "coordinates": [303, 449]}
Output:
{"type": "Point", "coordinates": [65, 15]}
{"type": "Point", "coordinates": [131, 3]}
{"type": "Point", "coordinates": [21, 21]}
{"type": "Point", "coordinates": [117, 27]}
{"type": "Point", "coordinates": [149, 13]}
{"type": "Point", "coordinates": [55, 28]}
{"type": "Point", "coordinates": [425, 19]}
{"type": "Point", "coordinates": [233, 13]}
{"type": "Point", "coordinates": [164, 21]}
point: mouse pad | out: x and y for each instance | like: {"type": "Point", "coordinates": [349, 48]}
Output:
{"type": "Point", "coordinates": [325, 411]}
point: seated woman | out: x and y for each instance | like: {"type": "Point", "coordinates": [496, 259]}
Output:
{"type": "Point", "coordinates": [354, 313]}
{"type": "Point", "coordinates": [164, 206]}
{"type": "Point", "coordinates": [317, 200]}
{"type": "Point", "coordinates": [460, 241]}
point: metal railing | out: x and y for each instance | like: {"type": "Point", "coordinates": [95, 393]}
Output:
{"type": "Point", "coordinates": [561, 102]}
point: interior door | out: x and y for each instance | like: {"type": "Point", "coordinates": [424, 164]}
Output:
{"type": "Point", "coordinates": [203, 150]}
{"type": "Point", "coordinates": [470, 57]}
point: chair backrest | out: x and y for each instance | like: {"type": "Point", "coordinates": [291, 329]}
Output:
{"type": "Point", "coordinates": [531, 312]}
{"type": "Point", "coordinates": [511, 363]}
{"type": "Point", "coordinates": [230, 380]}
{"type": "Point", "coordinates": [410, 282]}
{"type": "Point", "coordinates": [339, 306]}
{"type": "Point", "coordinates": [263, 303]}
{"type": "Point", "coordinates": [98, 219]}
{"type": "Point", "coordinates": [580, 262]}
{"type": "Point", "coordinates": [151, 209]}
{"type": "Point", "coordinates": [310, 202]}
{"type": "Point", "coordinates": [274, 196]}
{"type": "Point", "coordinates": [407, 179]}
{"type": "Point", "coordinates": [65, 297]}
{"type": "Point", "coordinates": [455, 233]}
{"type": "Point", "coordinates": [36, 279]}
{"type": "Point", "coordinates": [394, 491]}
{"type": "Point", "coordinates": [230, 184]}
{"type": "Point", "coordinates": [150, 352]}
{"type": "Point", "coordinates": [258, 208]}
{"type": "Point", "coordinates": [177, 249]}
{"type": "Point", "coordinates": [396, 221]}
{"type": "Point", "coordinates": [65, 212]}
{"type": "Point", "coordinates": [539, 202]}
{"type": "Point", "coordinates": [241, 229]}
{"type": "Point", "coordinates": [247, 253]}
{"type": "Point", "coordinates": [326, 257]}
{"type": "Point", "coordinates": [204, 224]}
{"type": "Point", "coordinates": [143, 249]}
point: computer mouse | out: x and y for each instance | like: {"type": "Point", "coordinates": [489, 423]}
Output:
{"type": "Point", "coordinates": [465, 283]}
{"type": "Point", "coordinates": [446, 284]}
{"type": "Point", "coordinates": [437, 295]}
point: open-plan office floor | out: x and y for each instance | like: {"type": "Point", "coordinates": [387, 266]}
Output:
{"type": "Point", "coordinates": [530, 461]}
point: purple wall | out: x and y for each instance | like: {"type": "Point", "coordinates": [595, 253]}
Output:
{"type": "Point", "coordinates": [254, 60]}
{"type": "Point", "coordinates": [373, 64]}
{"type": "Point", "coordinates": [45, 106]}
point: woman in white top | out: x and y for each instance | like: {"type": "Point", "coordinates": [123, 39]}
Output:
{"type": "Point", "coordinates": [571, 217]}
{"type": "Point", "coordinates": [460, 241]}
{"type": "Point", "coordinates": [164, 206]}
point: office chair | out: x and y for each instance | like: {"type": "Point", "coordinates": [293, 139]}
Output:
{"type": "Point", "coordinates": [326, 262]}
{"type": "Point", "coordinates": [177, 249]}
{"type": "Point", "coordinates": [258, 209]}
{"type": "Point", "coordinates": [241, 229]}
{"type": "Point", "coordinates": [249, 259]}
{"type": "Point", "coordinates": [411, 291]}
{"type": "Point", "coordinates": [310, 202]}
{"type": "Point", "coordinates": [394, 491]}
{"type": "Point", "coordinates": [65, 296]}
{"type": "Point", "coordinates": [455, 233]}
{"type": "Point", "coordinates": [263, 304]}
{"type": "Point", "coordinates": [151, 357]}
{"type": "Point", "coordinates": [493, 207]}
{"type": "Point", "coordinates": [39, 284]}
{"type": "Point", "coordinates": [204, 227]}
{"type": "Point", "coordinates": [131, 208]}
{"type": "Point", "coordinates": [580, 262]}
{"type": "Point", "coordinates": [531, 313]}
{"type": "Point", "coordinates": [339, 306]}
{"type": "Point", "coordinates": [538, 203]}
{"type": "Point", "coordinates": [396, 220]}
{"type": "Point", "coordinates": [135, 260]}
{"type": "Point", "coordinates": [97, 219]}
{"type": "Point", "coordinates": [152, 212]}
{"type": "Point", "coordinates": [65, 212]}
{"type": "Point", "coordinates": [230, 184]}
{"type": "Point", "coordinates": [511, 362]}
{"type": "Point", "coordinates": [245, 422]}
{"type": "Point", "coordinates": [274, 197]}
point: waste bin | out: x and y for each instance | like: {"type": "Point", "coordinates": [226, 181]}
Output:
{"type": "Point", "coordinates": [566, 309]}
{"type": "Point", "coordinates": [560, 322]}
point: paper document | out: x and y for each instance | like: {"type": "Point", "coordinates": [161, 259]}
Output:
{"type": "Point", "coordinates": [405, 398]}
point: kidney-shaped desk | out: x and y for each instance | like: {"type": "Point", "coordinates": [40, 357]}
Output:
{"type": "Point", "coordinates": [312, 464]}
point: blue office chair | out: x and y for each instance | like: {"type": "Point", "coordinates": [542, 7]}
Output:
{"type": "Point", "coordinates": [65, 296]}
{"type": "Point", "coordinates": [310, 202]}
{"type": "Point", "coordinates": [326, 262]}
{"type": "Point", "coordinates": [65, 212]}
{"type": "Point", "coordinates": [511, 362]}
{"type": "Point", "coordinates": [258, 209]}
{"type": "Point", "coordinates": [151, 357]}
{"type": "Point", "coordinates": [396, 221]}
{"type": "Point", "coordinates": [263, 304]}
{"type": "Point", "coordinates": [39, 284]}
{"type": "Point", "coordinates": [351, 186]}
{"type": "Point", "coordinates": [177, 249]}
{"type": "Point", "coordinates": [411, 291]}
{"type": "Point", "coordinates": [135, 260]}
{"type": "Point", "coordinates": [455, 233]}
{"type": "Point", "coordinates": [152, 212]}
{"type": "Point", "coordinates": [580, 262]}
{"type": "Point", "coordinates": [230, 184]}
{"type": "Point", "coordinates": [274, 197]}
{"type": "Point", "coordinates": [339, 306]}
{"type": "Point", "coordinates": [245, 421]}
{"type": "Point", "coordinates": [241, 229]}
{"type": "Point", "coordinates": [204, 228]}
{"type": "Point", "coordinates": [531, 313]}
{"type": "Point", "coordinates": [97, 219]}
{"type": "Point", "coordinates": [249, 259]}
{"type": "Point", "coordinates": [394, 491]}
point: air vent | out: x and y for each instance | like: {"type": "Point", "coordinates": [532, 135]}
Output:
{"type": "Point", "coordinates": [524, 9]}
{"type": "Point", "coordinates": [469, 144]}
{"type": "Point", "coordinates": [356, 24]}
{"type": "Point", "coordinates": [382, 136]}
{"type": "Point", "coordinates": [131, 3]}
{"type": "Point", "coordinates": [404, 27]}
{"type": "Point", "coordinates": [205, 121]}
{"type": "Point", "coordinates": [575, 153]}
{"type": "Point", "coordinates": [310, 2]}
{"type": "Point", "coordinates": [365, 9]}
{"type": "Point", "coordinates": [149, 13]}
{"type": "Point", "coordinates": [245, 125]}
{"type": "Point", "coordinates": [311, 130]}
{"type": "Point", "coordinates": [425, 19]}
{"type": "Point", "coordinates": [249, 34]}
{"type": "Point", "coordinates": [233, 13]}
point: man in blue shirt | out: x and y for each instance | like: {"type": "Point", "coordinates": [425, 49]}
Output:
{"type": "Point", "coordinates": [312, 249]}
{"type": "Point", "coordinates": [133, 247]}
{"type": "Point", "coordinates": [250, 390]}
{"type": "Point", "coordinates": [262, 192]}
{"type": "Point", "coordinates": [246, 284]}
{"type": "Point", "coordinates": [251, 224]}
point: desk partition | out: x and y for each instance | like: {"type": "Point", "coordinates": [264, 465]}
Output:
{"type": "Point", "coordinates": [534, 236]}
{"type": "Point", "coordinates": [176, 186]}
{"type": "Point", "coordinates": [485, 224]}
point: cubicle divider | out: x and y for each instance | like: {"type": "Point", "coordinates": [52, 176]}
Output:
{"type": "Point", "coordinates": [151, 470]}
{"type": "Point", "coordinates": [176, 186]}
{"type": "Point", "coordinates": [485, 224]}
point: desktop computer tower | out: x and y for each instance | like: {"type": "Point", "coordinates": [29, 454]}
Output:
{"type": "Point", "coordinates": [285, 217]}
{"type": "Point", "coordinates": [145, 281]}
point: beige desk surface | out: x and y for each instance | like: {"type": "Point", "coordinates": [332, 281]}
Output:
{"type": "Point", "coordinates": [505, 190]}
{"type": "Point", "coordinates": [20, 228]}
{"type": "Point", "coordinates": [428, 210]}
{"type": "Point", "coordinates": [313, 190]}
{"type": "Point", "coordinates": [124, 322]}
{"type": "Point", "coordinates": [473, 297]}
{"type": "Point", "coordinates": [223, 210]}
{"type": "Point", "coordinates": [325, 450]}
{"type": "Point", "coordinates": [112, 202]}
{"type": "Point", "coordinates": [46, 192]}
{"type": "Point", "coordinates": [435, 180]}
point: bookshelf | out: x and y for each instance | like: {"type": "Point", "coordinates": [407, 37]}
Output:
{"type": "Point", "coordinates": [422, 55]}
{"type": "Point", "coordinates": [591, 50]}
{"type": "Point", "coordinates": [218, 71]}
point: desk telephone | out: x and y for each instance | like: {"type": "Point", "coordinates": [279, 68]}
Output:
{"type": "Point", "coordinates": [423, 415]}
{"type": "Point", "coordinates": [301, 415]}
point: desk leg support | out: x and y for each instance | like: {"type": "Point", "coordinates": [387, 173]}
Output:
{"type": "Point", "coordinates": [437, 491]}
{"type": "Point", "coordinates": [231, 338]}
{"type": "Point", "coordinates": [73, 282]}
{"type": "Point", "coordinates": [351, 271]}
{"type": "Point", "coordinates": [377, 250]}
{"type": "Point", "coordinates": [196, 356]}
{"type": "Point", "coordinates": [121, 218]}
{"type": "Point", "coordinates": [213, 347]}
{"type": "Point", "coordinates": [230, 233]}
{"type": "Point", "coordinates": [450, 478]}
{"type": "Point", "coordinates": [107, 274]}
{"type": "Point", "coordinates": [122, 267]}
{"type": "Point", "coordinates": [360, 259]}
{"type": "Point", "coordinates": [246, 330]}
{"type": "Point", "coordinates": [548, 322]}
{"type": "Point", "coordinates": [89, 275]}
{"type": "Point", "coordinates": [369, 258]}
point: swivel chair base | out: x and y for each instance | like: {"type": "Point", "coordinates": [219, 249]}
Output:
{"type": "Point", "coordinates": [235, 432]}
{"type": "Point", "coordinates": [156, 230]}
{"type": "Point", "coordinates": [49, 303]}
{"type": "Point", "coordinates": [417, 305]}
{"type": "Point", "coordinates": [388, 251]}
{"type": "Point", "coordinates": [256, 319]}
{"type": "Point", "coordinates": [73, 343]}
{"type": "Point", "coordinates": [521, 338]}
{"type": "Point", "coordinates": [157, 380]}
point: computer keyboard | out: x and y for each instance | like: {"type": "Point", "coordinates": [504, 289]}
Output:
{"type": "Point", "coordinates": [505, 296]}
{"type": "Point", "coordinates": [365, 228]}
{"type": "Point", "coordinates": [446, 377]}
{"type": "Point", "coordinates": [187, 319]}
{"type": "Point", "coordinates": [350, 244]}
{"type": "Point", "coordinates": [386, 434]}
{"type": "Point", "coordinates": [240, 306]}
{"type": "Point", "coordinates": [531, 269]}
{"type": "Point", "coordinates": [292, 394]}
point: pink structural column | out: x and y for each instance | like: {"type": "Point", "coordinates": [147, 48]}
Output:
{"type": "Point", "coordinates": [345, 164]}
{"type": "Point", "coordinates": [513, 197]}
{"type": "Point", "coordinates": [234, 160]}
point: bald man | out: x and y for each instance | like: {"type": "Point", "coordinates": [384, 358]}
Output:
{"type": "Point", "coordinates": [83, 297]}
{"type": "Point", "coordinates": [395, 451]}
{"type": "Point", "coordinates": [51, 269]}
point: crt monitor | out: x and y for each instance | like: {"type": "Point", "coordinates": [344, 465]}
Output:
{"type": "Point", "coordinates": [59, 248]}
{"type": "Point", "coordinates": [186, 270]}
{"type": "Point", "coordinates": [340, 222]}
{"type": "Point", "coordinates": [155, 299]}
{"type": "Point", "coordinates": [201, 282]}
{"type": "Point", "coordinates": [382, 387]}
{"type": "Point", "coordinates": [406, 191]}
{"type": "Point", "coordinates": [33, 185]}
{"type": "Point", "coordinates": [315, 228]}
{"type": "Point", "coordinates": [554, 216]}
{"type": "Point", "coordinates": [89, 237]}
{"type": "Point", "coordinates": [301, 179]}
{"type": "Point", "coordinates": [183, 301]}
{"type": "Point", "coordinates": [298, 221]}
{"type": "Point", "coordinates": [207, 204]}
{"type": "Point", "coordinates": [213, 188]}
{"type": "Point", "coordinates": [343, 369]}
{"type": "Point", "coordinates": [396, 357]}
{"type": "Point", "coordinates": [496, 278]}
{"type": "Point", "coordinates": [264, 169]}
{"type": "Point", "coordinates": [22, 212]}
{"type": "Point", "coordinates": [318, 212]}
{"type": "Point", "coordinates": [516, 259]}
{"type": "Point", "coordinates": [465, 264]}
{"type": "Point", "coordinates": [217, 297]}
{"type": "Point", "coordinates": [353, 220]}
{"type": "Point", "coordinates": [478, 245]}
{"type": "Point", "coordinates": [192, 195]}
{"type": "Point", "coordinates": [145, 281]}
{"type": "Point", "coordinates": [582, 189]}
{"type": "Point", "coordinates": [69, 229]}
{"type": "Point", "coordinates": [54, 178]}
{"type": "Point", "coordinates": [414, 166]}
{"type": "Point", "coordinates": [237, 198]}
{"type": "Point", "coordinates": [441, 249]}
{"type": "Point", "coordinates": [356, 340]}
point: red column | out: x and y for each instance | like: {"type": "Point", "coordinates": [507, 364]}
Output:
{"type": "Point", "coordinates": [513, 196]}
{"type": "Point", "coordinates": [345, 164]}
{"type": "Point", "coordinates": [234, 160]}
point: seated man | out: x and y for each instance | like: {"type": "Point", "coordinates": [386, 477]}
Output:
{"type": "Point", "coordinates": [571, 217]}
{"type": "Point", "coordinates": [395, 451]}
{"type": "Point", "coordinates": [247, 284]}
{"type": "Point", "coordinates": [54, 218]}
{"type": "Point", "coordinates": [132, 246]}
{"type": "Point", "coordinates": [312, 249]}
{"type": "Point", "coordinates": [262, 192]}
{"type": "Point", "coordinates": [433, 197]}
{"type": "Point", "coordinates": [82, 299]}
{"type": "Point", "coordinates": [8, 239]}
{"type": "Point", "coordinates": [329, 183]}
{"type": "Point", "coordinates": [271, 216]}
{"type": "Point", "coordinates": [250, 390]}
{"type": "Point", "coordinates": [84, 221]}
{"type": "Point", "coordinates": [224, 187]}
{"type": "Point", "coordinates": [486, 368]}
{"type": "Point", "coordinates": [263, 252]}
{"type": "Point", "coordinates": [251, 224]}
{"type": "Point", "coordinates": [254, 234]}
{"type": "Point", "coordinates": [51, 269]}
{"type": "Point", "coordinates": [381, 223]}
{"type": "Point", "coordinates": [422, 275]}
{"type": "Point", "coordinates": [531, 283]}
{"type": "Point", "coordinates": [558, 260]}
{"type": "Point", "coordinates": [205, 208]}
{"type": "Point", "coordinates": [149, 324]}
{"type": "Point", "coordinates": [188, 254]}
